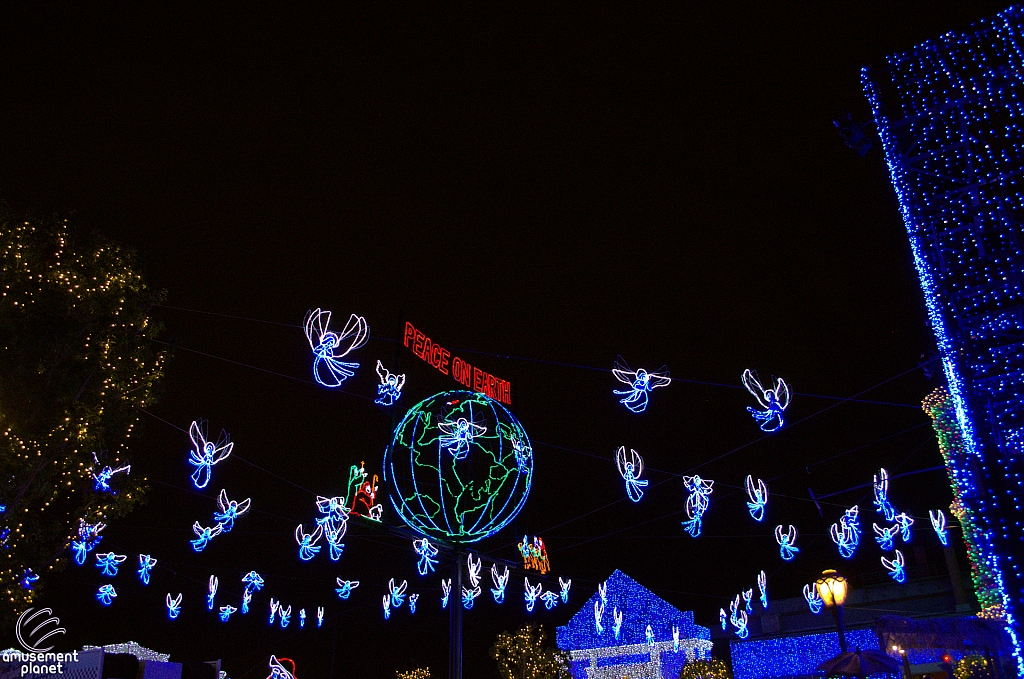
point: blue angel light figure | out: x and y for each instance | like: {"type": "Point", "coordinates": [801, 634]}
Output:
{"type": "Point", "coordinates": [413, 598]}
{"type": "Point", "coordinates": [564, 586]}
{"type": "Point", "coordinates": [302, 617]}
{"type": "Point", "coordinates": [598, 614]}
{"type": "Point", "coordinates": [397, 592]}
{"type": "Point", "coordinates": [675, 638]}
{"type": "Point", "coordinates": [446, 591]}
{"type": "Point", "coordinates": [762, 586]}
{"type": "Point", "coordinates": [843, 541]}
{"type": "Point", "coordinates": [895, 567]}
{"type": "Point", "coordinates": [106, 594]}
{"type": "Point", "coordinates": [211, 590]}
{"type": "Point", "coordinates": [173, 606]}
{"type": "Point", "coordinates": [390, 388]}
{"type": "Point", "coordinates": [524, 454]}
{"type": "Point", "coordinates": [649, 633]}
{"type": "Point", "coordinates": [722, 618]}
{"type": "Point", "coordinates": [335, 523]}
{"type": "Point", "coordinates": [938, 519]}
{"type": "Point", "coordinates": [630, 469]}
{"type": "Point", "coordinates": [226, 611]}
{"type": "Point", "coordinates": [28, 578]}
{"type": "Point", "coordinates": [739, 621]}
{"type": "Point", "coordinates": [345, 587]}
{"type": "Point", "coordinates": [387, 606]}
{"type": "Point", "coordinates": [253, 581]}
{"type": "Point", "coordinates": [146, 563]}
{"type": "Point", "coordinates": [500, 582]}
{"type": "Point", "coordinates": [550, 599]}
{"type": "Point", "coordinates": [882, 504]}
{"type": "Point", "coordinates": [747, 597]}
{"type": "Point", "coordinates": [246, 600]}
{"type": "Point", "coordinates": [101, 480]}
{"type": "Point", "coordinates": [307, 542]}
{"type": "Point", "coordinates": [286, 615]}
{"type": "Point", "coordinates": [531, 594]}
{"type": "Point", "coordinates": [469, 597]}
{"type": "Point", "coordinates": [885, 536]}
{"type": "Point", "coordinates": [204, 535]}
{"type": "Point", "coordinates": [904, 522]}
{"type": "Point", "coordinates": [426, 552]}
{"type": "Point", "coordinates": [617, 616]}
{"type": "Point", "coordinates": [758, 495]}
{"type": "Point", "coordinates": [328, 368]}
{"type": "Point", "coordinates": [640, 382]}
{"type": "Point", "coordinates": [274, 607]}
{"type": "Point", "coordinates": [458, 435]}
{"type": "Point", "coordinates": [851, 524]}
{"type": "Point", "coordinates": [602, 591]}
{"type": "Point", "coordinates": [696, 503]}
{"type": "Point", "coordinates": [787, 542]}
{"type": "Point", "coordinates": [473, 569]}
{"type": "Point", "coordinates": [319, 617]}
{"type": "Point", "coordinates": [108, 563]}
{"type": "Point", "coordinates": [230, 510]}
{"type": "Point", "coordinates": [206, 453]}
{"type": "Point", "coordinates": [773, 401]}
{"type": "Point", "coordinates": [86, 541]}
{"type": "Point", "coordinates": [813, 599]}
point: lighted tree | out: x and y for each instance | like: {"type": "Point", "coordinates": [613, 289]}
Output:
{"type": "Point", "coordinates": [522, 655]}
{"type": "Point", "coordinates": [706, 669]}
{"type": "Point", "coordinates": [76, 364]}
{"type": "Point", "coordinates": [415, 673]}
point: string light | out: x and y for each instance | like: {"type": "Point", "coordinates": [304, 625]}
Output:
{"type": "Point", "coordinates": [108, 563]}
{"type": "Point", "coordinates": [696, 503]}
{"type": "Point", "coordinates": [550, 599]}
{"type": "Point", "coordinates": [146, 564]}
{"type": "Point", "coordinates": [813, 599]}
{"type": "Point", "coordinates": [413, 598]}
{"type": "Point", "coordinates": [531, 593]}
{"type": "Point", "coordinates": [246, 600]}
{"type": "Point", "coordinates": [938, 519]}
{"type": "Point", "coordinates": [616, 622]}
{"type": "Point", "coordinates": [363, 494]}
{"type": "Point", "coordinates": [426, 552]}
{"type": "Point", "coordinates": [598, 615]}
{"type": "Point", "coordinates": [895, 567]}
{"type": "Point", "coordinates": [474, 569]}
{"type": "Point", "coordinates": [630, 469]}
{"type": "Point", "coordinates": [106, 594]}
{"type": "Point", "coordinates": [564, 586]}
{"type": "Point", "coordinates": [319, 616]}
{"type": "Point", "coordinates": [253, 581]}
{"type": "Point", "coordinates": [793, 656]}
{"type": "Point", "coordinates": [882, 504]}
{"type": "Point", "coordinates": [173, 606]}
{"type": "Point", "coordinates": [773, 401]}
{"type": "Point", "coordinates": [307, 542]}
{"type": "Point", "coordinates": [229, 511]}
{"type": "Point", "coordinates": [387, 606]}
{"type": "Point", "coordinates": [723, 618]}
{"type": "Point", "coordinates": [226, 611]}
{"type": "Point", "coordinates": [211, 590]}
{"type": "Point", "coordinates": [846, 533]}
{"type": "Point", "coordinates": [397, 592]}
{"type": "Point", "coordinates": [885, 536]}
{"type": "Point", "coordinates": [787, 542]}
{"type": "Point", "coordinates": [446, 589]}
{"type": "Point", "coordinates": [535, 555]}
{"type": "Point", "coordinates": [762, 586]}
{"type": "Point", "coordinates": [758, 495]}
{"type": "Point", "coordinates": [328, 369]}
{"type": "Point", "coordinates": [28, 578]}
{"type": "Point", "coordinates": [205, 453]}
{"type": "Point", "coordinates": [747, 597]}
{"type": "Point", "coordinates": [302, 617]}
{"type": "Point", "coordinates": [101, 481]}
{"type": "Point", "coordinates": [469, 596]}
{"type": "Point", "coordinates": [739, 621]}
{"type": "Point", "coordinates": [390, 388]}
{"type": "Point", "coordinates": [649, 632]}
{"type": "Point", "coordinates": [640, 382]}
{"type": "Point", "coordinates": [285, 615]}
{"type": "Point", "coordinates": [274, 607]}
{"type": "Point", "coordinates": [500, 582]}
{"type": "Point", "coordinates": [204, 535]}
{"type": "Point", "coordinates": [88, 537]}
{"type": "Point", "coordinates": [904, 523]}
{"type": "Point", "coordinates": [458, 435]}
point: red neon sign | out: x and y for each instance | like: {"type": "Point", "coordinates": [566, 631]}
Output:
{"type": "Point", "coordinates": [464, 373]}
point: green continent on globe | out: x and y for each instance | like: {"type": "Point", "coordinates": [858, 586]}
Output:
{"type": "Point", "coordinates": [458, 467]}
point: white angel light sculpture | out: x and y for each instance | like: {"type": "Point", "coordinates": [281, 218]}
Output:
{"type": "Point", "coordinates": [328, 350]}
{"type": "Point", "coordinates": [938, 519]}
{"type": "Point", "coordinates": [773, 401]}
{"type": "Point", "coordinates": [230, 510]}
{"type": "Point", "coordinates": [630, 469]}
{"type": "Point", "coordinates": [458, 435]}
{"type": "Point", "coordinates": [640, 382]}
{"type": "Point", "coordinates": [390, 388]}
{"type": "Point", "coordinates": [206, 452]}
{"type": "Point", "coordinates": [696, 503]}
{"type": "Point", "coordinates": [758, 494]}
{"type": "Point", "coordinates": [787, 542]}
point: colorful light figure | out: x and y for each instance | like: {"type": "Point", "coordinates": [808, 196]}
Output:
{"type": "Point", "coordinates": [474, 569]}
{"type": "Point", "coordinates": [640, 382]}
{"type": "Point", "coordinates": [531, 594]}
{"type": "Point", "coordinates": [390, 388]}
{"type": "Point", "coordinates": [246, 600]}
{"type": "Point", "coordinates": [204, 535]}
{"type": "Point", "coordinates": [363, 494]}
{"type": "Point", "coordinates": [173, 606]}
{"type": "Point", "coordinates": [230, 510]}
{"type": "Point", "coordinates": [696, 503]}
{"type": "Point", "coordinates": [630, 469]}
{"type": "Point", "coordinates": [895, 567]}
{"type": "Point", "coordinates": [938, 519]}
{"type": "Point", "coordinates": [286, 615]}
{"type": "Point", "coordinates": [28, 578]}
{"type": "Point", "coordinates": [86, 541]}
{"type": "Point", "coordinates": [762, 586]}
{"type": "Point", "coordinates": [274, 607]}
{"type": "Point", "coordinates": [302, 617]}
{"type": "Point", "coordinates": [253, 581]}
{"type": "Point", "coordinates": [397, 592]}
{"type": "Point", "coordinates": [101, 481]}
{"type": "Point", "coordinates": [500, 582]}
{"type": "Point", "coordinates": [426, 552]}
{"type": "Point", "coordinates": [885, 536]}
{"type": "Point", "coordinates": [108, 563]}
{"type": "Point", "coordinates": [328, 369]}
{"type": "Point", "coordinates": [413, 598]}
{"type": "Point", "coordinates": [206, 453]}
{"type": "Point", "coordinates": [106, 594]}
{"type": "Point", "coordinates": [649, 633]}
{"type": "Point", "coordinates": [226, 611]}
{"type": "Point", "coordinates": [469, 596]}
{"type": "Point", "coordinates": [617, 617]}
{"type": "Point", "coordinates": [773, 401]}
{"type": "Point", "coordinates": [598, 614]}
{"type": "Point", "coordinates": [211, 591]}
{"type": "Point", "coordinates": [307, 542]}
{"type": "Point", "coordinates": [813, 599]}
{"type": "Point", "coordinates": [564, 586]}
{"type": "Point", "coordinates": [550, 599]}
{"type": "Point", "coordinates": [146, 563]}
{"type": "Point", "coordinates": [535, 555]}
{"type": "Point", "coordinates": [904, 522]}
{"type": "Point", "coordinates": [319, 617]}
{"type": "Point", "coordinates": [758, 494]}
{"type": "Point", "coordinates": [787, 542]}
{"type": "Point", "coordinates": [881, 487]}
{"type": "Point", "coordinates": [446, 591]}
{"type": "Point", "coordinates": [457, 436]}
{"type": "Point", "coordinates": [277, 670]}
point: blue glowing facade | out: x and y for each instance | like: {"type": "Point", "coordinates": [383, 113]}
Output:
{"type": "Point", "coordinates": [793, 656]}
{"type": "Point", "coordinates": [949, 117]}
{"type": "Point", "coordinates": [624, 648]}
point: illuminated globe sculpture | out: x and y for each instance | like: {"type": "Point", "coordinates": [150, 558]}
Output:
{"type": "Point", "coordinates": [459, 467]}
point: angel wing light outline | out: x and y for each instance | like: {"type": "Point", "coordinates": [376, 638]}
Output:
{"type": "Point", "coordinates": [328, 369]}
{"type": "Point", "coordinates": [641, 383]}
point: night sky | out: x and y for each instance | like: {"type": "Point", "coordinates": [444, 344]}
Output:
{"type": "Point", "coordinates": [540, 189]}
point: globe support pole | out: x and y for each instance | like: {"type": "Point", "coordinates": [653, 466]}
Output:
{"type": "Point", "coordinates": [455, 620]}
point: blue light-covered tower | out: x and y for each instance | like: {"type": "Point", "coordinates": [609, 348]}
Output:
{"type": "Point", "coordinates": [950, 114]}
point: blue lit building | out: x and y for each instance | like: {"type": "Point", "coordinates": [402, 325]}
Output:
{"type": "Point", "coordinates": [950, 115]}
{"type": "Point", "coordinates": [653, 640]}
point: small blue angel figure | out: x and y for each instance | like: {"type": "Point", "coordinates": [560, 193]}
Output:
{"type": "Point", "coordinates": [851, 524]}
{"type": "Point", "coordinates": [101, 480]}
{"type": "Point", "coordinates": [275, 606]}
{"type": "Point", "coordinates": [28, 578]}
{"type": "Point", "coordinates": [696, 502]}
{"type": "Point", "coordinates": [474, 569]}
{"type": "Point", "coordinates": [211, 590]}
{"type": "Point", "coordinates": [722, 618]}
{"type": "Point", "coordinates": [675, 638]}
{"type": "Point", "coordinates": [885, 536]}
{"type": "Point", "coordinates": [640, 382]}
{"type": "Point", "coordinates": [204, 535]}
{"type": "Point", "coordinates": [397, 592]}
{"type": "Point", "coordinates": [230, 510]}
{"type": "Point", "coordinates": [739, 621]}
{"type": "Point", "coordinates": [813, 599]}
{"type": "Point", "coordinates": [747, 598]}
{"type": "Point", "coordinates": [319, 617]}
{"type": "Point", "coordinates": [598, 615]}
{"type": "Point", "coordinates": [617, 617]}
{"type": "Point", "coordinates": [762, 586]}
{"type": "Point", "coordinates": [895, 567]}
{"type": "Point", "coordinates": [531, 594]}
{"type": "Point", "coordinates": [226, 611]}
{"type": "Point", "coordinates": [630, 469]}
{"type": "Point", "coordinates": [333, 509]}
{"type": "Point", "coordinates": [390, 388]}
{"type": "Point", "coordinates": [413, 598]}
{"type": "Point", "coordinates": [500, 581]}
{"type": "Point", "coordinates": [146, 563]}
{"type": "Point", "coordinates": [446, 591]}
{"type": "Point", "coordinates": [564, 586]}
{"type": "Point", "coordinates": [938, 519]}
{"type": "Point", "coordinates": [108, 563]}
{"type": "Point", "coordinates": [206, 453]}
{"type": "Point", "coordinates": [387, 606]}
{"type": "Point", "coordinates": [253, 581]}
{"type": "Point", "coordinates": [843, 541]}
{"type": "Point", "coordinates": [86, 541]}
{"type": "Point", "coordinates": [173, 606]}
{"type": "Point", "coordinates": [787, 542]}
{"type": "Point", "coordinates": [550, 599]}
{"type": "Point", "coordinates": [328, 368]}
{"type": "Point", "coordinates": [772, 401]}
{"type": "Point", "coordinates": [649, 633]}
{"type": "Point", "coordinates": [345, 587]}
{"type": "Point", "coordinates": [302, 617]}
{"type": "Point", "coordinates": [106, 594]}
{"type": "Point", "coordinates": [426, 552]}
{"type": "Point", "coordinates": [469, 597]}
{"type": "Point", "coordinates": [458, 435]}
{"type": "Point", "coordinates": [307, 542]}
{"type": "Point", "coordinates": [758, 494]}
{"type": "Point", "coordinates": [524, 454]}
{"type": "Point", "coordinates": [246, 600]}
{"type": "Point", "coordinates": [904, 522]}
{"type": "Point", "coordinates": [286, 615]}
{"type": "Point", "coordinates": [882, 504]}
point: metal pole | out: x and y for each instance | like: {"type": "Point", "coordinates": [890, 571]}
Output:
{"type": "Point", "coordinates": [838, 612]}
{"type": "Point", "coordinates": [455, 620]}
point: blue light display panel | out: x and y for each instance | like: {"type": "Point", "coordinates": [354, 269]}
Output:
{"type": "Point", "coordinates": [793, 656]}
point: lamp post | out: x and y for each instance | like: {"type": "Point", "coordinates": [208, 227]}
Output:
{"type": "Point", "coordinates": [832, 589]}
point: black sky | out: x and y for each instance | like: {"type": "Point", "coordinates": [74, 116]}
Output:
{"type": "Point", "coordinates": [557, 184]}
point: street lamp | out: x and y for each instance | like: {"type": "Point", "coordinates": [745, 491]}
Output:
{"type": "Point", "coordinates": [832, 589]}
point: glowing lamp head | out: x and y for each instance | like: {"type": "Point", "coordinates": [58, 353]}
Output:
{"type": "Point", "coordinates": [831, 588]}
